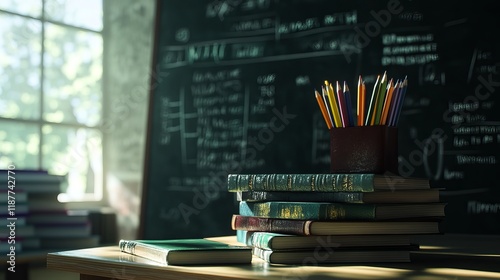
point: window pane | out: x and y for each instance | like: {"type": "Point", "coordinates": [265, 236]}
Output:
{"type": "Point", "coordinates": [76, 152]}
{"type": "Point", "coordinates": [26, 7]}
{"type": "Point", "coordinates": [20, 53]}
{"type": "Point", "coordinates": [87, 14]}
{"type": "Point", "coordinates": [19, 145]}
{"type": "Point", "coordinates": [73, 70]}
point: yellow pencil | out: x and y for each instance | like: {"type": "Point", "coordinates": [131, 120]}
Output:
{"type": "Point", "coordinates": [333, 104]}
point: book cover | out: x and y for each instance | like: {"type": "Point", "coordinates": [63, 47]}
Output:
{"type": "Point", "coordinates": [187, 251]}
{"type": "Point", "coordinates": [17, 231]}
{"type": "Point", "coordinates": [69, 243]}
{"type": "Point", "coordinates": [335, 255]}
{"type": "Point", "coordinates": [330, 182]}
{"type": "Point", "coordinates": [63, 230]}
{"type": "Point", "coordinates": [34, 181]}
{"type": "Point", "coordinates": [280, 241]}
{"type": "Point", "coordinates": [22, 244]}
{"type": "Point", "coordinates": [18, 196]}
{"type": "Point", "coordinates": [314, 227]}
{"type": "Point", "coordinates": [12, 210]}
{"type": "Point", "coordinates": [339, 211]}
{"type": "Point", "coordinates": [33, 176]}
{"type": "Point", "coordinates": [57, 218]}
{"type": "Point", "coordinates": [402, 196]}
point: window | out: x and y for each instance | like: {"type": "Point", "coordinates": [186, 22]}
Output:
{"type": "Point", "coordinates": [50, 91]}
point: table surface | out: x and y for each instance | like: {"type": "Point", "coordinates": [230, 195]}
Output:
{"type": "Point", "coordinates": [446, 256]}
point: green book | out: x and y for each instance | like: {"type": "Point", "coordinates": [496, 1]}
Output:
{"type": "Point", "coordinates": [339, 211]}
{"type": "Point", "coordinates": [328, 182]}
{"type": "Point", "coordinates": [187, 251]}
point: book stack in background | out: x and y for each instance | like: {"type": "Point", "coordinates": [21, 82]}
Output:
{"type": "Point", "coordinates": [333, 218]}
{"type": "Point", "coordinates": [41, 221]}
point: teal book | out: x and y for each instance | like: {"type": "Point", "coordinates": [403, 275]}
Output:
{"type": "Point", "coordinates": [187, 251]}
{"type": "Point", "coordinates": [339, 211]}
{"type": "Point", "coordinates": [329, 182]}
{"type": "Point", "coordinates": [402, 196]}
{"type": "Point", "coordinates": [280, 241]}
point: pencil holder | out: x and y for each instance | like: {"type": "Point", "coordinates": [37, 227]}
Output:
{"type": "Point", "coordinates": [364, 149]}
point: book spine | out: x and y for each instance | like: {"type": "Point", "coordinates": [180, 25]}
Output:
{"type": "Point", "coordinates": [263, 241]}
{"type": "Point", "coordinates": [256, 196]}
{"type": "Point", "coordinates": [266, 255]}
{"type": "Point", "coordinates": [308, 210]}
{"type": "Point", "coordinates": [243, 236]}
{"type": "Point", "coordinates": [253, 238]}
{"type": "Point", "coordinates": [301, 182]}
{"type": "Point", "coordinates": [249, 223]}
{"type": "Point", "coordinates": [134, 248]}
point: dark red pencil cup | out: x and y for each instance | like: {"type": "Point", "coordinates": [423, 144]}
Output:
{"type": "Point", "coordinates": [364, 149]}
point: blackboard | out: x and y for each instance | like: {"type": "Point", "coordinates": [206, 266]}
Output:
{"type": "Point", "coordinates": [232, 92]}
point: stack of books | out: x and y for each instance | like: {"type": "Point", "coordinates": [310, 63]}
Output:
{"type": "Point", "coordinates": [333, 218]}
{"type": "Point", "coordinates": [40, 221]}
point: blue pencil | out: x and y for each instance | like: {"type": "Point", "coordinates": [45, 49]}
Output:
{"type": "Point", "coordinates": [402, 97]}
{"type": "Point", "coordinates": [394, 102]}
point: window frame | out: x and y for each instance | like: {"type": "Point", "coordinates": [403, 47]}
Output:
{"type": "Point", "coordinates": [87, 199]}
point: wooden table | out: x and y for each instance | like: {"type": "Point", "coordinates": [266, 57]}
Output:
{"type": "Point", "coordinates": [448, 256]}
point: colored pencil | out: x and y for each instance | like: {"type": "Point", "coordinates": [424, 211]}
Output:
{"type": "Point", "coordinates": [372, 102]}
{"type": "Point", "coordinates": [327, 106]}
{"type": "Point", "coordinates": [333, 104]}
{"type": "Point", "coordinates": [394, 104]}
{"type": "Point", "coordinates": [348, 105]}
{"type": "Point", "coordinates": [379, 102]}
{"type": "Point", "coordinates": [360, 102]}
{"type": "Point", "coordinates": [384, 108]}
{"type": "Point", "coordinates": [387, 102]}
{"type": "Point", "coordinates": [401, 102]}
{"type": "Point", "coordinates": [322, 107]}
{"type": "Point", "coordinates": [342, 109]}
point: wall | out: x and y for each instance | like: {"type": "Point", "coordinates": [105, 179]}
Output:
{"type": "Point", "coordinates": [128, 29]}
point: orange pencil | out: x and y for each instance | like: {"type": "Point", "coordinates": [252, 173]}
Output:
{"type": "Point", "coordinates": [361, 102]}
{"type": "Point", "coordinates": [323, 109]}
{"type": "Point", "coordinates": [387, 101]}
